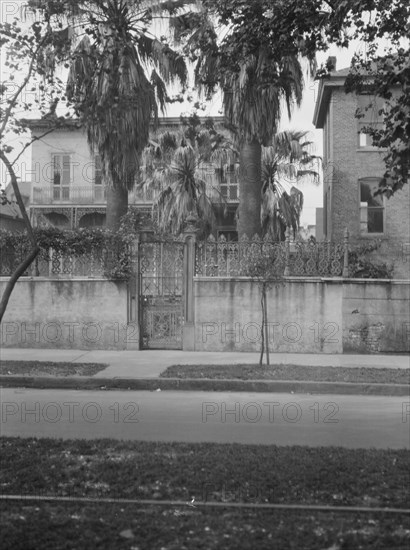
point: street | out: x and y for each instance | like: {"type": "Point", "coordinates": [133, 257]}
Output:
{"type": "Point", "coordinates": [222, 417]}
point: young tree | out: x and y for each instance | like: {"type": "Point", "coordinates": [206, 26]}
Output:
{"type": "Point", "coordinates": [262, 267]}
{"type": "Point", "coordinates": [30, 53]}
{"type": "Point", "coordinates": [117, 80]}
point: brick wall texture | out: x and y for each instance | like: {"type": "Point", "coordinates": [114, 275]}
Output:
{"type": "Point", "coordinates": [345, 164]}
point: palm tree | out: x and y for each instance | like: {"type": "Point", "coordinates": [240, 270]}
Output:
{"type": "Point", "coordinates": [257, 83]}
{"type": "Point", "coordinates": [117, 80]}
{"type": "Point", "coordinates": [287, 159]}
{"type": "Point", "coordinates": [179, 171]}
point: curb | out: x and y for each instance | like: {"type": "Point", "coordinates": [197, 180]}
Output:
{"type": "Point", "coordinates": [205, 384]}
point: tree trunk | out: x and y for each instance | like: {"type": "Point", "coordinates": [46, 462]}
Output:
{"type": "Point", "coordinates": [117, 205]}
{"type": "Point", "coordinates": [33, 254]}
{"type": "Point", "coordinates": [250, 190]}
{"type": "Point", "coordinates": [14, 278]}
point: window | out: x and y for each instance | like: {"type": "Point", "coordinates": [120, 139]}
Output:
{"type": "Point", "coordinates": [61, 176]}
{"type": "Point", "coordinates": [228, 182]}
{"type": "Point", "coordinates": [369, 107]}
{"type": "Point", "coordinates": [97, 170]}
{"type": "Point", "coordinates": [99, 191]}
{"type": "Point", "coordinates": [371, 207]}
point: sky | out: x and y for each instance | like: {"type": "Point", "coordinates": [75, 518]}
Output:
{"type": "Point", "coordinates": [301, 120]}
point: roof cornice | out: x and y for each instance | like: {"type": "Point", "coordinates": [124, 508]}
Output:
{"type": "Point", "coordinates": [75, 124]}
{"type": "Point", "coordinates": [325, 90]}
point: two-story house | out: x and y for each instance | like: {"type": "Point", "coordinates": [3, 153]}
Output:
{"type": "Point", "coordinates": [67, 187]}
{"type": "Point", "coordinates": [352, 169]}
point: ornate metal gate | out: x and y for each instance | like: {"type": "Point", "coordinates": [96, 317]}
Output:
{"type": "Point", "coordinates": [161, 294]}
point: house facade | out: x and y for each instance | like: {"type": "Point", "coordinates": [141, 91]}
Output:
{"type": "Point", "coordinates": [68, 190]}
{"type": "Point", "coordinates": [352, 169]}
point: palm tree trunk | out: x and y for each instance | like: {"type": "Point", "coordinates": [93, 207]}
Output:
{"type": "Point", "coordinates": [117, 205]}
{"type": "Point", "coordinates": [250, 187]}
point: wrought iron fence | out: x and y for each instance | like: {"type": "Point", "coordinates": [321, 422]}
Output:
{"type": "Point", "coordinates": [106, 262]}
{"type": "Point", "coordinates": [222, 258]}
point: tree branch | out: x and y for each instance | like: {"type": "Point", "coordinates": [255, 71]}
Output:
{"type": "Point", "coordinates": [13, 101]}
{"type": "Point", "coordinates": [14, 278]}
{"type": "Point", "coordinates": [19, 199]}
{"type": "Point", "coordinates": [36, 138]}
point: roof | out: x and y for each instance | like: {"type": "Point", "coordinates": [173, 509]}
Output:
{"type": "Point", "coordinates": [25, 190]}
{"type": "Point", "coordinates": [75, 124]}
{"type": "Point", "coordinates": [335, 79]}
{"type": "Point", "coordinates": [10, 211]}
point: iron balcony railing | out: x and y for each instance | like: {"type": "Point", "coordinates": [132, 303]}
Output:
{"type": "Point", "coordinates": [98, 194]}
{"type": "Point", "coordinates": [82, 195]}
{"type": "Point", "coordinates": [66, 194]}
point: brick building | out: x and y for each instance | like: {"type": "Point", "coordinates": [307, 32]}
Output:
{"type": "Point", "coordinates": [352, 169]}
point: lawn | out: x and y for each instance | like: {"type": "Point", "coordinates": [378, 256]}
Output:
{"type": "Point", "coordinates": [206, 471]}
{"type": "Point", "coordinates": [210, 473]}
{"type": "Point", "coordinates": [50, 368]}
{"type": "Point", "coordinates": [362, 375]}
{"type": "Point", "coordinates": [30, 526]}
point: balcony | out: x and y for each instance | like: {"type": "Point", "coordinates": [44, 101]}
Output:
{"type": "Point", "coordinates": [71, 195]}
{"type": "Point", "coordinates": [97, 195]}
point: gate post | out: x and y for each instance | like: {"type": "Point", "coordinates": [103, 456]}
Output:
{"type": "Point", "coordinates": [133, 298]}
{"type": "Point", "coordinates": [188, 330]}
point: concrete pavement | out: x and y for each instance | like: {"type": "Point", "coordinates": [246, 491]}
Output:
{"type": "Point", "coordinates": [150, 363]}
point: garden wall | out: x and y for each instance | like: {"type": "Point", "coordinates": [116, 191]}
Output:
{"type": "Point", "coordinates": [66, 313]}
{"type": "Point", "coordinates": [304, 315]}
{"type": "Point", "coordinates": [376, 316]}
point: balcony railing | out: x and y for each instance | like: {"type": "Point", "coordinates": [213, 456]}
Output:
{"type": "Point", "coordinates": [69, 195]}
{"type": "Point", "coordinates": [98, 195]}
{"type": "Point", "coordinates": [81, 195]}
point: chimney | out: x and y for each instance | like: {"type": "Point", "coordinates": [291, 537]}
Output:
{"type": "Point", "coordinates": [331, 63]}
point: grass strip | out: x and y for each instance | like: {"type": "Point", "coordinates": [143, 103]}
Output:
{"type": "Point", "coordinates": [50, 368]}
{"type": "Point", "coordinates": [207, 471]}
{"type": "Point", "coordinates": [29, 526]}
{"type": "Point", "coordinates": [290, 372]}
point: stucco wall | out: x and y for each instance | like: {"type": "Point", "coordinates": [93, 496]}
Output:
{"type": "Point", "coordinates": [376, 316]}
{"type": "Point", "coordinates": [67, 313]}
{"type": "Point", "coordinates": [305, 315]}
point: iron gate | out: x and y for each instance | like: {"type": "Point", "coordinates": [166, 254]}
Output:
{"type": "Point", "coordinates": [161, 294]}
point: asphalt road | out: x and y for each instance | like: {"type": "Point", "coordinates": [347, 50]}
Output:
{"type": "Point", "coordinates": [256, 418]}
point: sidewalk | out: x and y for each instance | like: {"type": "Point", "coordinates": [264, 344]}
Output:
{"type": "Point", "coordinates": [150, 363]}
